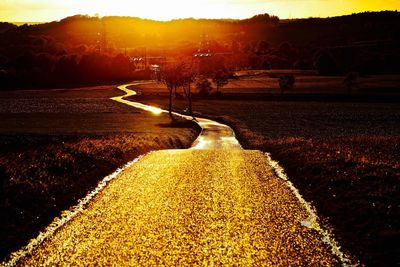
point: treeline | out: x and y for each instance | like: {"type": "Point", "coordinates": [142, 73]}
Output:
{"type": "Point", "coordinates": [91, 49]}
{"type": "Point", "coordinates": [40, 60]}
{"type": "Point", "coordinates": [5, 26]}
{"type": "Point", "coordinates": [368, 43]}
{"type": "Point", "coordinates": [131, 32]}
{"type": "Point", "coordinates": [44, 69]}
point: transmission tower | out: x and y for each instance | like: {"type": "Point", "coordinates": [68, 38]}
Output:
{"type": "Point", "coordinates": [102, 37]}
{"type": "Point", "coordinates": [204, 46]}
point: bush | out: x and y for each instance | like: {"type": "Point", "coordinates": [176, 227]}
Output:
{"type": "Point", "coordinates": [350, 81]}
{"type": "Point", "coordinates": [286, 82]}
{"type": "Point", "coordinates": [221, 78]}
{"type": "Point", "coordinates": [203, 87]}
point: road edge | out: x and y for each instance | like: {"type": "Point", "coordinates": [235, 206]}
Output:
{"type": "Point", "coordinates": [311, 222]}
{"type": "Point", "coordinates": [66, 216]}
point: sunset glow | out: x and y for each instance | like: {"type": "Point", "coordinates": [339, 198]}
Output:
{"type": "Point", "coordinates": [48, 10]}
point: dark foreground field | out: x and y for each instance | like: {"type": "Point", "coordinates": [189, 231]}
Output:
{"type": "Point", "coordinates": [56, 145]}
{"type": "Point", "coordinates": [343, 157]}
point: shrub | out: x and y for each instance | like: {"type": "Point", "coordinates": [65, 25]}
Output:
{"type": "Point", "coordinates": [221, 78]}
{"type": "Point", "coordinates": [286, 82]}
{"type": "Point", "coordinates": [350, 81]}
{"type": "Point", "coordinates": [203, 87]}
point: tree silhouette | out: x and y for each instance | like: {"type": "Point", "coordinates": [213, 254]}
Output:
{"type": "Point", "coordinates": [171, 76]}
{"type": "Point", "coordinates": [66, 68]}
{"type": "Point", "coordinates": [350, 81]}
{"type": "Point", "coordinates": [220, 78]}
{"type": "Point", "coordinates": [203, 86]}
{"type": "Point", "coordinates": [188, 76]}
{"type": "Point", "coordinates": [286, 82]}
{"type": "Point", "coordinates": [263, 47]}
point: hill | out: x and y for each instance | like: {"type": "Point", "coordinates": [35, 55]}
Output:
{"type": "Point", "coordinates": [366, 42]}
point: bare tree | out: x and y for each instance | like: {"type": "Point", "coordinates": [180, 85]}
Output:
{"type": "Point", "coordinates": [176, 76]}
{"type": "Point", "coordinates": [220, 78]}
{"type": "Point", "coordinates": [188, 76]}
{"type": "Point", "coordinates": [171, 76]}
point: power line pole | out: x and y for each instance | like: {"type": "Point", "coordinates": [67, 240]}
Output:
{"type": "Point", "coordinates": [145, 58]}
{"type": "Point", "coordinates": [102, 37]}
{"type": "Point", "coordinates": [103, 42]}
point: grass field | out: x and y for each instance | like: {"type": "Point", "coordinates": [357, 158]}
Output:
{"type": "Point", "coordinates": [56, 145]}
{"type": "Point", "coordinates": [305, 84]}
{"type": "Point", "coordinates": [343, 157]}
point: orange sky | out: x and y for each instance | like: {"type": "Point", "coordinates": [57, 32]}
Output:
{"type": "Point", "coordinates": [48, 10]}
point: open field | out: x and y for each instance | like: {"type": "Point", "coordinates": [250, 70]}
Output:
{"type": "Point", "coordinates": [267, 83]}
{"type": "Point", "coordinates": [55, 145]}
{"type": "Point", "coordinates": [343, 157]}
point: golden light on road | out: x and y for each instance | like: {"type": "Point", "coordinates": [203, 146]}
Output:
{"type": "Point", "coordinates": [47, 10]}
{"type": "Point", "coordinates": [120, 99]}
{"type": "Point", "coordinates": [201, 143]}
{"type": "Point", "coordinates": [154, 110]}
{"type": "Point", "coordinates": [213, 135]}
{"type": "Point", "coordinates": [189, 207]}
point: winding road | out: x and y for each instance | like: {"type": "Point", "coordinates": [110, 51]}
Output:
{"type": "Point", "coordinates": [214, 204]}
{"type": "Point", "coordinates": [214, 135]}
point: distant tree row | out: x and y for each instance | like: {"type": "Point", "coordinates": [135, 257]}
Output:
{"type": "Point", "coordinates": [5, 26]}
{"type": "Point", "coordinates": [43, 69]}
{"type": "Point", "coordinates": [131, 32]}
{"type": "Point", "coordinates": [91, 49]}
{"type": "Point", "coordinates": [29, 60]}
{"type": "Point", "coordinates": [368, 59]}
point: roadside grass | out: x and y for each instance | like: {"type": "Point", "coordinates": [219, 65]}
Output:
{"type": "Point", "coordinates": [55, 145]}
{"type": "Point", "coordinates": [343, 157]}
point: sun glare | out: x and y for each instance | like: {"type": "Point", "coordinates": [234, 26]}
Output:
{"type": "Point", "coordinates": [154, 9]}
{"type": "Point", "coordinates": [47, 10]}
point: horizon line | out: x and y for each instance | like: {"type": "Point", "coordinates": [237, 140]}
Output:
{"type": "Point", "coordinates": [199, 18]}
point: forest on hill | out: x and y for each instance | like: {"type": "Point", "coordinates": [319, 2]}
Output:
{"type": "Point", "coordinates": [84, 49]}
